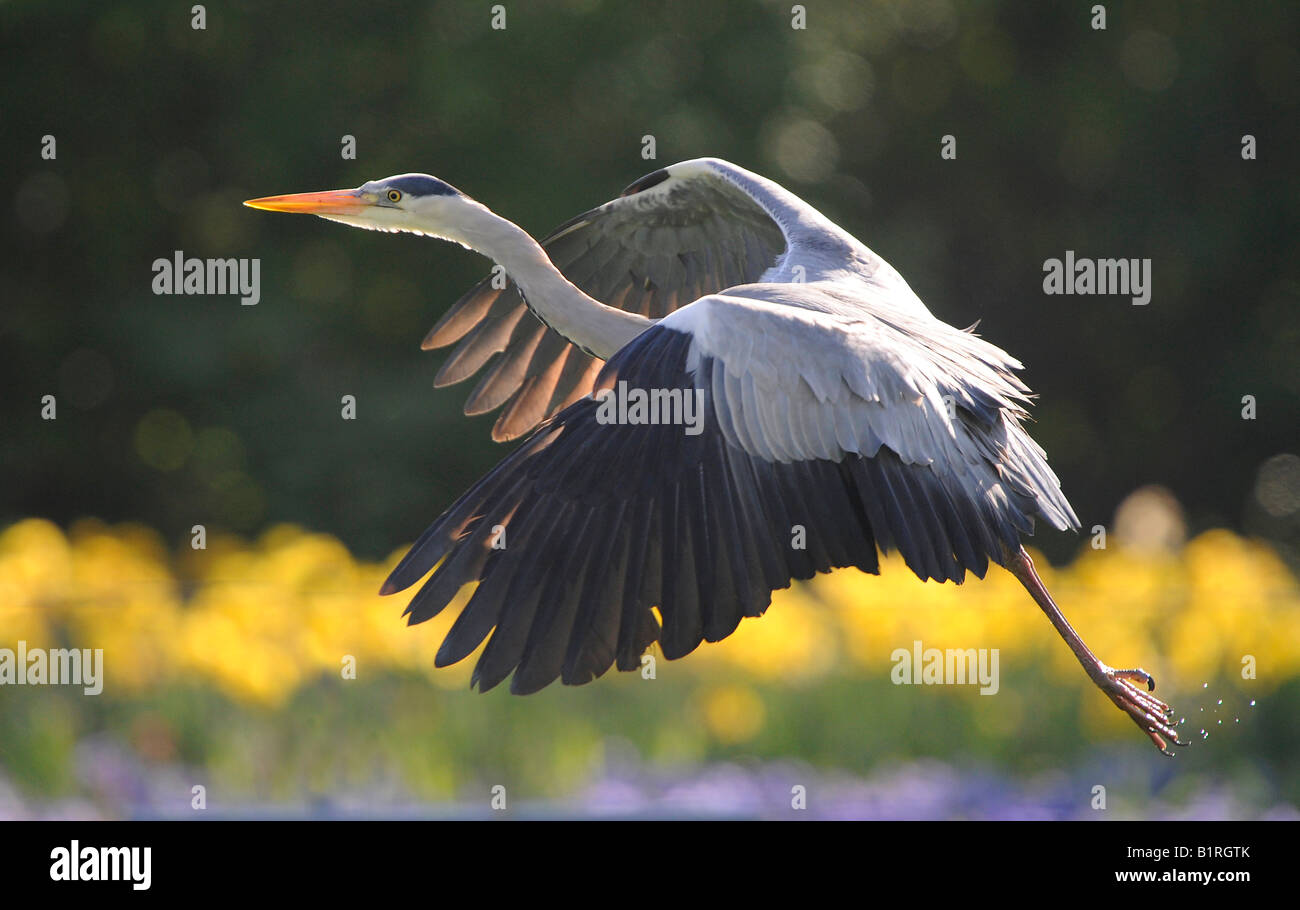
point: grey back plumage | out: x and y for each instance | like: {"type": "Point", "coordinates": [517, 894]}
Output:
{"type": "Point", "coordinates": [696, 228]}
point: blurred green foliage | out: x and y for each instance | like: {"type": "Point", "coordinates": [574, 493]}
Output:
{"type": "Point", "coordinates": [1123, 142]}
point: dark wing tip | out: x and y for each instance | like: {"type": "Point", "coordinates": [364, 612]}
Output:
{"type": "Point", "coordinates": [649, 180]}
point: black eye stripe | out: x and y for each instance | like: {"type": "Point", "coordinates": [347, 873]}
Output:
{"type": "Point", "coordinates": [421, 185]}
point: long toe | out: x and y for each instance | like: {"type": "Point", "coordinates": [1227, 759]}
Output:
{"type": "Point", "coordinates": [1153, 716]}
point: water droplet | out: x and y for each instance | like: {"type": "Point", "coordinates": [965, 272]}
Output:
{"type": "Point", "coordinates": [1182, 720]}
{"type": "Point", "coordinates": [1220, 723]}
{"type": "Point", "coordinates": [1205, 685]}
{"type": "Point", "coordinates": [1252, 702]}
{"type": "Point", "coordinates": [1220, 701]}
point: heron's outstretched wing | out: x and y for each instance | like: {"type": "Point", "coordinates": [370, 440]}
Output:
{"type": "Point", "coordinates": [818, 439]}
{"type": "Point", "coordinates": [673, 236]}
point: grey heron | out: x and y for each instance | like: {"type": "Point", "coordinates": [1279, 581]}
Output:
{"type": "Point", "coordinates": [833, 402]}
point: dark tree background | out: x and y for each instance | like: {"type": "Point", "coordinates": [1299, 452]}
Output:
{"type": "Point", "coordinates": [1123, 142]}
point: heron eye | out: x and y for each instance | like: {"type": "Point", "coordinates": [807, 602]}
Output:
{"type": "Point", "coordinates": [394, 196]}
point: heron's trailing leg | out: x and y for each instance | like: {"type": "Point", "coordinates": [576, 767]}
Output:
{"type": "Point", "coordinates": [1148, 712]}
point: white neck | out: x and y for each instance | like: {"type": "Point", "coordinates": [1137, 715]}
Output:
{"type": "Point", "coordinates": [597, 329]}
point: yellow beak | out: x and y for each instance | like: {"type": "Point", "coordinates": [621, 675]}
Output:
{"type": "Point", "coordinates": [330, 202]}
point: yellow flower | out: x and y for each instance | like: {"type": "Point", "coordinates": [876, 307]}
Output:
{"type": "Point", "coordinates": [259, 619]}
{"type": "Point", "coordinates": [733, 713]}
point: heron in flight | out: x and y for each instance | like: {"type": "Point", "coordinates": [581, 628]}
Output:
{"type": "Point", "coordinates": [834, 411]}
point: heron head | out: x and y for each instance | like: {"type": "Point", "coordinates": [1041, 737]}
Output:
{"type": "Point", "coordinates": [415, 203]}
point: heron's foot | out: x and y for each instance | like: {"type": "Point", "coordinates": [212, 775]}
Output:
{"type": "Point", "coordinates": [1151, 714]}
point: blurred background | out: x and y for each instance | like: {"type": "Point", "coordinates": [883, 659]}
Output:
{"type": "Point", "coordinates": [223, 664]}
